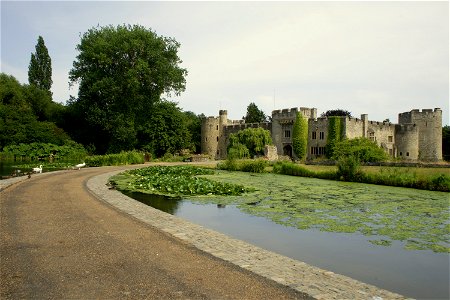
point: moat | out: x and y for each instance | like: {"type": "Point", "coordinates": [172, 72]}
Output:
{"type": "Point", "coordinates": [413, 273]}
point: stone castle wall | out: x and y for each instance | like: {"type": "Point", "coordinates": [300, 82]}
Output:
{"type": "Point", "coordinates": [418, 136]}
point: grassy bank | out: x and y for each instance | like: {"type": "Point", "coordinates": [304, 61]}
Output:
{"type": "Point", "coordinates": [122, 158]}
{"type": "Point", "coordinates": [432, 179]}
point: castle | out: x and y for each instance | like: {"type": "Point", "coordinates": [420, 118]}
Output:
{"type": "Point", "coordinates": [416, 137]}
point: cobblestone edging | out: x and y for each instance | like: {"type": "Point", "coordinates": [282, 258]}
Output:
{"type": "Point", "coordinates": [315, 282]}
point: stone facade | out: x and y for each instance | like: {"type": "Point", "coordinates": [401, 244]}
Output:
{"type": "Point", "coordinates": [417, 136]}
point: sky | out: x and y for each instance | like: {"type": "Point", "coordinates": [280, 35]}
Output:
{"type": "Point", "coordinates": [367, 57]}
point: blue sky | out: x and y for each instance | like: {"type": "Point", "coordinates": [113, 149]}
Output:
{"type": "Point", "coordinates": [379, 58]}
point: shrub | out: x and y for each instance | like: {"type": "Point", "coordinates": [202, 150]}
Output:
{"type": "Point", "coordinates": [122, 158]}
{"type": "Point", "coordinates": [348, 168]}
{"type": "Point", "coordinates": [362, 149]}
{"type": "Point", "coordinates": [253, 166]}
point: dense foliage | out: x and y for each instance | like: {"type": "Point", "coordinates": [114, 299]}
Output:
{"type": "Point", "coordinates": [336, 113]}
{"type": "Point", "coordinates": [300, 136]}
{"type": "Point", "coordinates": [446, 142]}
{"type": "Point", "coordinates": [254, 114]}
{"type": "Point", "coordinates": [176, 180]}
{"type": "Point", "coordinates": [40, 68]}
{"type": "Point", "coordinates": [123, 71]}
{"type": "Point", "coordinates": [28, 115]}
{"type": "Point", "coordinates": [39, 151]}
{"type": "Point", "coordinates": [122, 158]}
{"type": "Point", "coordinates": [334, 134]}
{"type": "Point", "coordinates": [254, 139]}
{"type": "Point", "coordinates": [362, 149]}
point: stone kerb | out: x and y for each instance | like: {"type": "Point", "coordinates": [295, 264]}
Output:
{"type": "Point", "coordinates": [316, 282]}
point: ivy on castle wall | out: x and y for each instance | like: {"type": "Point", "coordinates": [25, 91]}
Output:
{"type": "Point", "coordinates": [300, 136]}
{"type": "Point", "coordinates": [335, 126]}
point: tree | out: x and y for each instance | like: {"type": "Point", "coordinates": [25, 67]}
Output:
{"type": "Point", "coordinates": [336, 113]}
{"type": "Point", "coordinates": [300, 136]}
{"type": "Point", "coordinates": [362, 149]}
{"type": "Point", "coordinates": [40, 67]}
{"type": "Point", "coordinates": [194, 127]}
{"type": "Point", "coordinates": [165, 131]}
{"type": "Point", "coordinates": [123, 71]}
{"type": "Point", "coordinates": [254, 139]}
{"type": "Point", "coordinates": [254, 114]}
{"type": "Point", "coordinates": [25, 115]}
{"type": "Point", "coordinates": [446, 142]}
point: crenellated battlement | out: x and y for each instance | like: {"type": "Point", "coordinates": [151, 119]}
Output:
{"type": "Point", "coordinates": [291, 113]}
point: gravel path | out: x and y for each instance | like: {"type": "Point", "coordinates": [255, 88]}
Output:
{"type": "Point", "coordinates": [60, 242]}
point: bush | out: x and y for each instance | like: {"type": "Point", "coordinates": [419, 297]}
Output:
{"type": "Point", "coordinates": [348, 168]}
{"type": "Point", "coordinates": [122, 158]}
{"type": "Point", "coordinates": [363, 149]}
{"type": "Point", "coordinates": [253, 166]}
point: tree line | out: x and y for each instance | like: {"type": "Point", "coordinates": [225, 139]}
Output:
{"type": "Point", "coordinates": [126, 76]}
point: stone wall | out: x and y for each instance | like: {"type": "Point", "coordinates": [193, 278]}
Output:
{"type": "Point", "coordinates": [317, 137]}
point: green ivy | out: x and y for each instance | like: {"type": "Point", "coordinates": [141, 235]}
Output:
{"type": "Point", "coordinates": [334, 134]}
{"type": "Point", "coordinates": [300, 136]}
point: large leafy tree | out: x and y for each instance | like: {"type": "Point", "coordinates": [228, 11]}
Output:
{"type": "Point", "coordinates": [122, 73]}
{"type": "Point", "coordinates": [254, 114]}
{"type": "Point", "coordinates": [254, 139]}
{"type": "Point", "coordinates": [40, 67]}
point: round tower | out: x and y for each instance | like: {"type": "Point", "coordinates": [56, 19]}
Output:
{"type": "Point", "coordinates": [210, 135]}
{"type": "Point", "coordinates": [407, 141]}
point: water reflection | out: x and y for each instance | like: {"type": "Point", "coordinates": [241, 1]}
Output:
{"type": "Point", "coordinates": [165, 203]}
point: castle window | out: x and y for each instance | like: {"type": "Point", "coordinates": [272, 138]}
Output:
{"type": "Point", "coordinates": [401, 153]}
{"type": "Point", "coordinates": [287, 133]}
{"type": "Point", "coordinates": [321, 135]}
{"type": "Point", "coordinates": [314, 135]}
{"type": "Point", "coordinates": [217, 127]}
{"type": "Point", "coordinates": [390, 139]}
{"type": "Point", "coordinates": [390, 152]}
{"type": "Point", "coordinates": [372, 136]}
{"type": "Point", "coordinates": [217, 138]}
{"type": "Point", "coordinates": [407, 153]}
{"type": "Point", "coordinates": [206, 139]}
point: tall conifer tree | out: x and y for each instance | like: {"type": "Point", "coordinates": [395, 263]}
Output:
{"type": "Point", "coordinates": [40, 68]}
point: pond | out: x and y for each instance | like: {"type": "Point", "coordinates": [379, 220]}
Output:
{"type": "Point", "coordinates": [389, 264]}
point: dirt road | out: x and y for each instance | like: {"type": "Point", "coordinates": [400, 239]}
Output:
{"type": "Point", "coordinates": [59, 242]}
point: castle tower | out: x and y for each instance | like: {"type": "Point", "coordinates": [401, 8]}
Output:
{"type": "Point", "coordinates": [407, 141]}
{"type": "Point", "coordinates": [429, 127]}
{"type": "Point", "coordinates": [222, 142]}
{"type": "Point", "coordinates": [210, 135]}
